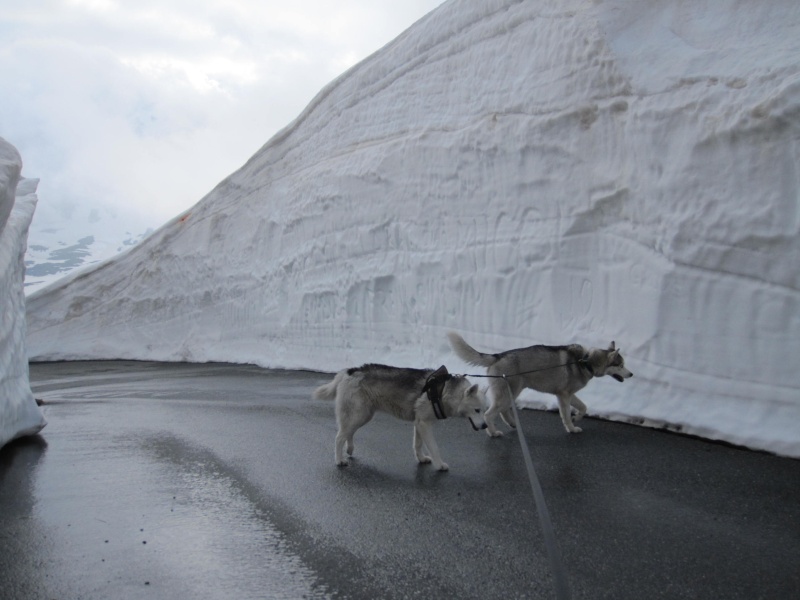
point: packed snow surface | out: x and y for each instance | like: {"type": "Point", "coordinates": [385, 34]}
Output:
{"type": "Point", "coordinates": [519, 172]}
{"type": "Point", "coordinates": [19, 414]}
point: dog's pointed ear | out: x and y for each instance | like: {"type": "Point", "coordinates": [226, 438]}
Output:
{"type": "Point", "coordinates": [612, 346]}
{"type": "Point", "coordinates": [474, 390]}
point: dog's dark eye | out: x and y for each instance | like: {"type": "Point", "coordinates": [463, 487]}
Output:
{"type": "Point", "coordinates": [477, 410]}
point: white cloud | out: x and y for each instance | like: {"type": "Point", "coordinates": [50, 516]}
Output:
{"type": "Point", "coordinates": [93, 5]}
{"type": "Point", "coordinates": [144, 106]}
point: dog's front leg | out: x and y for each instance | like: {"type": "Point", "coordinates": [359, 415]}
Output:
{"type": "Point", "coordinates": [566, 414]}
{"type": "Point", "coordinates": [501, 395]}
{"type": "Point", "coordinates": [577, 403]}
{"type": "Point", "coordinates": [508, 416]}
{"type": "Point", "coordinates": [419, 448]}
{"type": "Point", "coordinates": [422, 431]}
{"type": "Point", "coordinates": [489, 416]}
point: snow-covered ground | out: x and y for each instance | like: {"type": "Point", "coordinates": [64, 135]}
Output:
{"type": "Point", "coordinates": [520, 172]}
{"type": "Point", "coordinates": [19, 414]}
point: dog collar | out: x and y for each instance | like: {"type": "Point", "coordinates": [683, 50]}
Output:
{"type": "Point", "coordinates": [434, 388]}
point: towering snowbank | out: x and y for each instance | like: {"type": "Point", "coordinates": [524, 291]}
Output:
{"type": "Point", "coordinates": [19, 414]}
{"type": "Point", "coordinates": [521, 172]}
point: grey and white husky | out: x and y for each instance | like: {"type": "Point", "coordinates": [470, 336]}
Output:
{"type": "Point", "coordinates": [418, 395]}
{"type": "Point", "coordinates": [558, 370]}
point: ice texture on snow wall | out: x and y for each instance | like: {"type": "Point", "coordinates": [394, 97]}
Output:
{"type": "Point", "coordinates": [19, 414]}
{"type": "Point", "coordinates": [521, 172]}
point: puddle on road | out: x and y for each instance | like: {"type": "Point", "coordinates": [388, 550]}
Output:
{"type": "Point", "coordinates": [217, 530]}
{"type": "Point", "coordinates": [153, 516]}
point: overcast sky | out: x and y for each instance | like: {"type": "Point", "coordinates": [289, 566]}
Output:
{"type": "Point", "coordinates": [145, 105]}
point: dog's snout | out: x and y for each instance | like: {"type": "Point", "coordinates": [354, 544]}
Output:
{"type": "Point", "coordinates": [480, 425]}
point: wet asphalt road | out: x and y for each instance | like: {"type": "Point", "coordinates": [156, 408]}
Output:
{"type": "Point", "coordinates": [218, 481]}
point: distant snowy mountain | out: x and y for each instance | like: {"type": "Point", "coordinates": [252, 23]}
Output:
{"type": "Point", "coordinates": [66, 237]}
{"type": "Point", "coordinates": [520, 172]}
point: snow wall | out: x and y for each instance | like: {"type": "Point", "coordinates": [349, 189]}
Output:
{"type": "Point", "coordinates": [19, 414]}
{"type": "Point", "coordinates": [522, 173]}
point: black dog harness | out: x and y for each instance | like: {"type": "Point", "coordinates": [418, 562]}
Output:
{"type": "Point", "coordinates": [584, 362]}
{"type": "Point", "coordinates": [434, 388]}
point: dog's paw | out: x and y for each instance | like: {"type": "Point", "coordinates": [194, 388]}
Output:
{"type": "Point", "coordinates": [509, 420]}
{"type": "Point", "coordinates": [443, 467]}
{"type": "Point", "coordinates": [424, 460]}
{"type": "Point", "coordinates": [494, 434]}
{"type": "Point", "coordinates": [576, 430]}
{"type": "Point", "coordinates": [342, 463]}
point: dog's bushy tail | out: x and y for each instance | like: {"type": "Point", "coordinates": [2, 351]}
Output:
{"type": "Point", "coordinates": [467, 353]}
{"type": "Point", "coordinates": [328, 391]}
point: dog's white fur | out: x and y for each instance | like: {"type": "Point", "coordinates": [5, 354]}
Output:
{"type": "Point", "coordinates": [361, 392]}
{"type": "Point", "coordinates": [557, 370]}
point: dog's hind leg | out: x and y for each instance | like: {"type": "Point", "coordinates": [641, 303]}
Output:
{"type": "Point", "coordinates": [350, 421]}
{"type": "Point", "coordinates": [424, 435]}
{"type": "Point", "coordinates": [339, 444]}
{"type": "Point", "coordinates": [566, 413]}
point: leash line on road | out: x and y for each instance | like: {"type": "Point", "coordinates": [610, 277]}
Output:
{"type": "Point", "coordinates": [560, 579]}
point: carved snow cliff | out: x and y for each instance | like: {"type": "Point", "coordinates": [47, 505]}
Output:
{"type": "Point", "coordinates": [19, 414]}
{"type": "Point", "coordinates": [521, 172]}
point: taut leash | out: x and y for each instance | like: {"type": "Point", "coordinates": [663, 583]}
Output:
{"type": "Point", "coordinates": [560, 580]}
{"type": "Point", "coordinates": [582, 361]}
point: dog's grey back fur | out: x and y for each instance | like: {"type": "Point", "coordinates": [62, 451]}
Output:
{"type": "Point", "coordinates": [395, 390]}
{"type": "Point", "coordinates": [545, 369]}
{"type": "Point", "coordinates": [542, 368]}
{"type": "Point", "coordinates": [398, 377]}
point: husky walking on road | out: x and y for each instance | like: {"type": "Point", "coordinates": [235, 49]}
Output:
{"type": "Point", "coordinates": [418, 395]}
{"type": "Point", "coordinates": [558, 370]}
